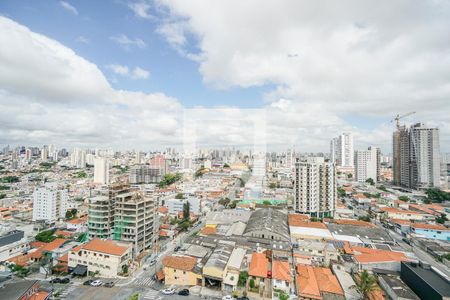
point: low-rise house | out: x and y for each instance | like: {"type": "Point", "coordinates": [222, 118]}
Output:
{"type": "Point", "coordinates": [317, 283]}
{"type": "Point", "coordinates": [396, 213]}
{"type": "Point", "coordinates": [214, 270]}
{"type": "Point", "coordinates": [368, 258]}
{"type": "Point", "coordinates": [259, 270]}
{"type": "Point", "coordinates": [309, 230]}
{"type": "Point", "coordinates": [281, 275]}
{"type": "Point", "coordinates": [321, 253]}
{"type": "Point", "coordinates": [430, 231]}
{"type": "Point", "coordinates": [180, 270]}
{"type": "Point", "coordinates": [78, 225]}
{"type": "Point", "coordinates": [106, 258]}
{"type": "Point", "coordinates": [233, 269]}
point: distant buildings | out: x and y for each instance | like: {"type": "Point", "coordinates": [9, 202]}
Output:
{"type": "Point", "coordinates": [367, 164]}
{"type": "Point", "coordinates": [341, 149]}
{"type": "Point", "coordinates": [315, 187]}
{"type": "Point", "coordinates": [176, 205]}
{"type": "Point", "coordinates": [49, 203]}
{"type": "Point", "coordinates": [78, 158]}
{"type": "Point", "coordinates": [101, 170]}
{"type": "Point", "coordinates": [140, 174]}
{"type": "Point", "coordinates": [416, 157]}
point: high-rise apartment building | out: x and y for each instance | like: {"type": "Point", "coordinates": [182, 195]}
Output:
{"type": "Point", "coordinates": [140, 174]}
{"type": "Point", "coordinates": [341, 150]}
{"type": "Point", "coordinates": [49, 203]}
{"type": "Point", "coordinates": [125, 214]}
{"type": "Point", "coordinates": [101, 170]}
{"type": "Point", "coordinates": [315, 187]}
{"type": "Point", "coordinates": [416, 157]}
{"type": "Point", "coordinates": [367, 164]}
{"type": "Point", "coordinates": [78, 158]}
{"type": "Point", "coordinates": [44, 153]}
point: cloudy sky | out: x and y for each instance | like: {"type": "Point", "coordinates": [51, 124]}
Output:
{"type": "Point", "coordinates": [127, 74]}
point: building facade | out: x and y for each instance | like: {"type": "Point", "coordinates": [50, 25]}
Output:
{"type": "Point", "coordinates": [101, 170]}
{"type": "Point", "coordinates": [367, 164]}
{"type": "Point", "coordinates": [341, 150]}
{"type": "Point", "coordinates": [49, 203]}
{"type": "Point", "coordinates": [315, 187]}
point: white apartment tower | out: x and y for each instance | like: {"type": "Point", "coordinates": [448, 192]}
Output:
{"type": "Point", "coordinates": [367, 164]}
{"type": "Point", "coordinates": [49, 203]}
{"type": "Point", "coordinates": [315, 187]}
{"type": "Point", "coordinates": [78, 158]}
{"type": "Point", "coordinates": [101, 170]}
{"type": "Point", "coordinates": [341, 150]}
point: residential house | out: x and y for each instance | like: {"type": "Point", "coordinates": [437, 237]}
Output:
{"type": "Point", "coordinates": [180, 270]}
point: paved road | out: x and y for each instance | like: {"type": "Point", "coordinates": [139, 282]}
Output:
{"type": "Point", "coordinates": [421, 255]}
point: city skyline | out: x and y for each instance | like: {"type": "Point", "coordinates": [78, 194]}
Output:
{"type": "Point", "coordinates": [123, 79]}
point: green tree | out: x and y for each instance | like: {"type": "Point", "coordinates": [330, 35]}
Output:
{"type": "Point", "coordinates": [185, 225]}
{"type": "Point", "coordinates": [273, 185]}
{"type": "Point", "coordinates": [364, 218]}
{"type": "Point", "coordinates": [45, 236]}
{"type": "Point", "coordinates": [341, 192]}
{"type": "Point", "coordinates": [349, 175]}
{"type": "Point", "coordinates": [81, 174]}
{"type": "Point", "coordinates": [366, 283]}
{"type": "Point", "coordinates": [441, 219]}
{"type": "Point", "coordinates": [382, 188]}
{"type": "Point", "coordinates": [2, 196]}
{"type": "Point", "coordinates": [125, 269]}
{"type": "Point", "coordinates": [225, 165]}
{"type": "Point", "coordinates": [370, 181]}
{"type": "Point", "coordinates": [403, 198]}
{"type": "Point", "coordinates": [4, 187]}
{"type": "Point", "coordinates": [186, 210]}
{"type": "Point", "coordinates": [243, 275]}
{"type": "Point", "coordinates": [283, 296]}
{"type": "Point", "coordinates": [9, 179]}
{"type": "Point", "coordinates": [233, 204]}
{"type": "Point", "coordinates": [267, 202]}
{"type": "Point", "coordinates": [252, 283]}
{"type": "Point", "coordinates": [224, 201]}
{"type": "Point", "coordinates": [179, 196]}
{"type": "Point", "coordinates": [437, 195]}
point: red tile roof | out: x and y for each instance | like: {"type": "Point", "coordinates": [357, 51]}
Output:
{"type": "Point", "coordinates": [105, 246]}
{"type": "Point", "coordinates": [259, 265]}
{"type": "Point", "coordinates": [185, 263]}
{"type": "Point", "coordinates": [281, 270]}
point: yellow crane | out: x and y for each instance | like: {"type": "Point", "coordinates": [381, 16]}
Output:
{"type": "Point", "coordinates": [398, 117]}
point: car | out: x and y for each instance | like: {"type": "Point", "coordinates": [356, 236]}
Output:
{"type": "Point", "coordinates": [168, 291]}
{"type": "Point", "coordinates": [183, 292]}
{"type": "Point", "coordinates": [64, 280]}
{"type": "Point", "coordinates": [109, 284]}
{"type": "Point", "coordinates": [152, 262]}
{"type": "Point", "coordinates": [88, 282]}
{"type": "Point", "coordinates": [96, 283]}
{"type": "Point", "coordinates": [56, 280]}
{"type": "Point", "coordinates": [242, 298]}
{"type": "Point", "coordinates": [177, 248]}
{"type": "Point", "coordinates": [227, 297]}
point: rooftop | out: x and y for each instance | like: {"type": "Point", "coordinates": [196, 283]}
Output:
{"type": "Point", "coordinates": [259, 265]}
{"type": "Point", "coordinates": [312, 281]}
{"type": "Point", "coordinates": [105, 246]}
{"type": "Point", "coordinates": [185, 263]}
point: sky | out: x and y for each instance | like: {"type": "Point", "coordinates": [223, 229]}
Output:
{"type": "Point", "coordinates": [134, 74]}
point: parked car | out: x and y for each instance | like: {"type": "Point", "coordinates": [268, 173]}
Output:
{"type": "Point", "coordinates": [56, 280]}
{"type": "Point", "coordinates": [152, 262]}
{"type": "Point", "coordinates": [96, 283]}
{"type": "Point", "coordinates": [227, 297]}
{"type": "Point", "coordinates": [109, 284]}
{"type": "Point", "coordinates": [242, 298]}
{"type": "Point", "coordinates": [168, 291]}
{"type": "Point", "coordinates": [183, 292]}
{"type": "Point", "coordinates": [64, 280]}
{"type": "Point", "coordinates": [177, 248]}
{"type": "Point", "coordinates": [88, 282]}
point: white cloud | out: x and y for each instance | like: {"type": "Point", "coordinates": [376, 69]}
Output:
{"type": "Point", "coordinates": [136, 73]}
{"type": "Point", "coordinates": [126, 42]}
{"type": "Point", "coordinates": [82, 39]}
{"type": "Point", "coordinates": [141, 9]}
{"type": "Point", "coordinates": [332, 60]}
{"type": "Point", "coordinates": [67, 6]}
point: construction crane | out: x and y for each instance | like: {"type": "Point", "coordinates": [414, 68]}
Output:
{"type": "Point", "coordinates": [398, 117]}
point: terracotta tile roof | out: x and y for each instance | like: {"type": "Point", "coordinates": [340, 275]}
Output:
{"type": "Point", "coordinates": [64, 233]}
{"type": "Point", "coordinates": [64, 258]}
{"type": "Point", "coordinates": [360, 196]}
{"type": "Point", "coordinates": [423, 208]}
{"type": "Point", "coordinates": [429, 226]}
{"type": "Point", "coordinates": [401, 222]}
{"type": "Point", "coordinates": [353, 222]}
{"type": "Point", "coordinates": [163, 233]}
{"type": "Point", "coordinates": [53, 245]}
{"type": "Point", "coordinates": [185, 263]}
{"type": "Point", "coordinates": [294, 219]}
{"type": "Point", "coordinates": [208, 230]}
{"type": "Point", "coordinates": [399, 211]}
{"type": "Point", "coordinates": [37, 244]}
{"type": "Point", "coordinates": [369, 255]}
{"type": "Point", "coordinates": [77, 221]}
{"type": "Point", "coordinates": [312, 281]}
{"type": "Point", "coordinates": [163, 210]}
{"type": "Point", "coordinates": [41, 295]}
{"type": "Point", "coordinates": [309, 224]}
{"type": "Point", "coordinates": [105, 246]}
{"type": "Point", "coordinates": [259, 265]}
{"type": "Point", "coordinates": [281, 270]}
{"type": "Point", "coordinates": [20, 260]}
{"type": "Point", "coordinates": [160, 275]}
{"type": "Point", "coordinates": [165, 226]}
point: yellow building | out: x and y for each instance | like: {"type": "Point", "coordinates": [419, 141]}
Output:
{"type": "Point", "coordinates": [179, 270]}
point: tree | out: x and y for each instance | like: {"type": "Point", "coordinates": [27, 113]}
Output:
{"type": "Point", "coordinates": [441, 219]}
{"type": "Point", "coordinates": [179, 196]}
{"type": "Point", "coordinates": [283, 296]}
{"type": "Point", "coordinates": [349, 175]}
{"type": "Point", "coordinates": [252, 283]}
{"type": "Point", "coordinates": [45, 236]}
{"type": "Point", "coordinates": [2, 196]}
{"type": "Point", "coordinates": [370, 181]}
{"type": "Point", "coordinates": [242, 278]}
{"type": "Point", "coordinates": [366, 283]}
{"type": "Point", "coordinates": [403, 198]}
{"type": "Point", "coordinates": [382, 188]}
{"type": "Point", "coordinates": [186, 210]}
{"type": "Point", "coordinates": [437, 195]}
{"type": "Point", "coordinates": [225, 165]}
{"type": "Point", "coordinates": [233, 204]}
{"type": "Point", "coordinates": [81, 174]}
{"type": "Point", "coordinates": [267, 202]}
{"type": "Point", "coordinates": [341, 192]}
{"type": "Point", "coordinates": [224, 201]}
{"type": "Point", "coordinates": [125, 269]}
{"type": "Point", "coordinates": [273, 185]}
{"type": "Point", "coordinates": [71, 214]}
{"type": "Point", "coordinates": [185, 225]}
{"type": "Point", "coordinates": [9, 179]}
{"type": "Point", "coordinates": [364, 218]}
